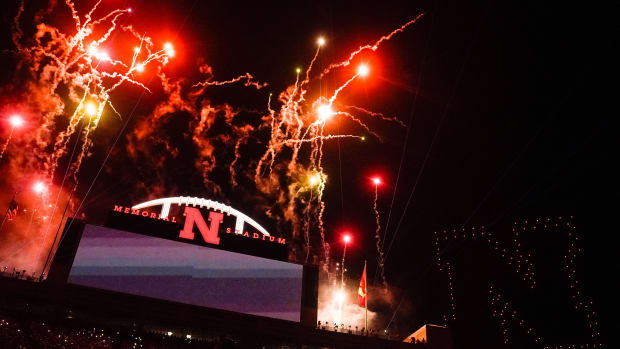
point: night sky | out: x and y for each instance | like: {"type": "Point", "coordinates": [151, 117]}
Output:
{"type": "Point", "coordinates": [508, 109]}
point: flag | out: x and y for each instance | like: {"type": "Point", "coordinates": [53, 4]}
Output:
{"type": "Point", "coordinates": [362, 296]}
{"type": "Point", "coordinates": [12, 211]}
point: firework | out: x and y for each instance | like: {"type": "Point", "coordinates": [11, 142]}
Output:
{"type": "Point", "coordinates": [16, 121]}
{"type": "Point", "coordinates": [377, 181]}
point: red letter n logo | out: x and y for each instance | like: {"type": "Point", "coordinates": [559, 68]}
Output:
{"type": "Point", "coordinates": [209, 234]}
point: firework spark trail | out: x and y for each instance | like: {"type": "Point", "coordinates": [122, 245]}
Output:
{"type": "Point", "coordinates": [18, 33]}
{"type": "Point", "coordinates": [322, 203]}
{"type": "Point", "coordinates": [294, 108]}
{"type": "Point", "coordinates": [6, 144]}
{"type": "Point", "coordinates": [315, 138]}
{"type": "Point", "coordinates": [378, 238]}
{"type": "Point", "coordinates": [242, 138]}
{"type": "Point", "coordinates": [289, 116]}
{"type": "Point", "coordinates": [291, 107]}
{"type": "Point", "coordinates": [373, 47]}
{"type": "Point", "coordinates": [307, 79]}
{"type": "Point", "coordinates": [302, 94]}
{"type": "Point", "coordinates": [60, 146]}
{"type": "Point", "coordinates": [276, 132]}
{"type": "Point", "coordinates": [249, 81]}
{"type": "Point", "coordinates": [326, 247]}
{"type": "Point", "coordinates": [86, 145]}
{"type": "Point", "coordinates": [335, 95]}
{"type": "Point", "coordinates": [270, 150]}
{"type": "Point", "coordinates": [233, 171]}
{"type": "Point", "coordinates": [377, 115]}
{"type": "Point", "coordinates": [358, 121]}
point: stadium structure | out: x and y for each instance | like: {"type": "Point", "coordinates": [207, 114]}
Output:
{"type": "Point", "coordinates": [178, 272]}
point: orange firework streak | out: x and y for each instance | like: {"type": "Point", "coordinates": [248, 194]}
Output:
{"type": "Point", "coordinates": [373, 47]}
{"type": "Point", "coordinates": [249, 81]}
{"type": "Point", "coordinates": [378, 235]}
{"type": "Point", "coordinates": [377, 115]}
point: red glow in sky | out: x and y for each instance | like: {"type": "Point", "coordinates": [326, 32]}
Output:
{"type": "Point", "coordinates": [363, 70]}
{"type": "Point", "coordinates": [16, 121]}
{"type": "Point", "coordinates": [39, 187]}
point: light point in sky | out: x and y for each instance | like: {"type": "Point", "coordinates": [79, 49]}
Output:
{"type": "Point", "coordinates": [376, 180]}
{"type": "Point", "coordinates": [136, 49]}
{"type": "Point", "coordinates": [363, 138]}
{"type": "Point", "coordinates": [99, 54]}
{"type": "Point", "coordinates": [16, 121]}
{"type": "Point", "coordinates": [363, 70]}
{"type": "Point", "coordinates": [321, 41]}
{"type": "Point", "coordinates": [346, 238]}
{"type": "Point", "coordinates": [39, 187]}
{"type": "Point", "coordinates": [129, 10]}
{"type": "Point", "coordinates": [325, 112]}
{"type": "Point", "coordinates": [139, 67]}
{"type": "Point", "coordinates": [169, 49]}
{"type": "Point", "coordinates": [340, 296]}
{"type": "Point", "coordinates": [90, 109]}
{"type": "Point", "coordinates": [315, 179]}
{"type": "Point", "coordinates": [298, 70]}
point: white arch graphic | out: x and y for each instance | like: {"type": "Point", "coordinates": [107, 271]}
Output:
{"type": "Point", "coordinates": [209, 204]}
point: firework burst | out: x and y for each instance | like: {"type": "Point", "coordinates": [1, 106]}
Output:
{"type": "Point", "coordinates": [377, 181]}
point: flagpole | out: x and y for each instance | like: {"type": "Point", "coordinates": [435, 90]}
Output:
{"type": "Point", "coordinates": [366, 301]}
{"type": "Point", "coordinates": [6, 214]}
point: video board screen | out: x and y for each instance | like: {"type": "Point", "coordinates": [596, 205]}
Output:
{"type": "Point", "coordinates": [147, 266]}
